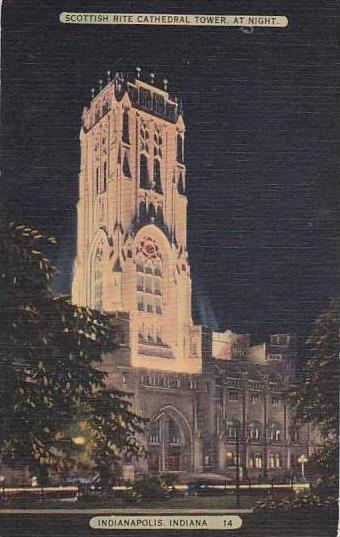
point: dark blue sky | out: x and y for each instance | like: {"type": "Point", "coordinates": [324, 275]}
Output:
{"type": "Point", "coordinates": [260, 147]}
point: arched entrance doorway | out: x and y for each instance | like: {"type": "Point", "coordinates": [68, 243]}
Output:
{"type": "Point", "coordinates": [168, 444]}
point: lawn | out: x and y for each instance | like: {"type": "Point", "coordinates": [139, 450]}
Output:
{"type": "Point", "coordinates": [179, 502]}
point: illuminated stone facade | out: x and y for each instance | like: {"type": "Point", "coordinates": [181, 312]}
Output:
{"type": "Point", "coordinates": [208, 395]}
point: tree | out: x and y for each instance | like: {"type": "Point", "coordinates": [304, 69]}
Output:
{"type": "Point", "coordinates": [316, 399]}
{"type": "Point", "coordinates": [52, 391]}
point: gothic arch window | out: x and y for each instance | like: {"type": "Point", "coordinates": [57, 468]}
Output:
{"type": "Point", "coordinates": [158, 142]}
{"type": "Point", "coordinates": [180, 184]}
{"type": "Point", "coordinates": [294, 434]}
{"type": "Point", "coordinates": [157, 176]}
{"type": "Point", "coordinates": [145, 98]}
{"type": "Point", "coordinates": [155, 435]}
{"type": "Point", "coordinates": [255, 430]}
{"type": "Point", "coordinates": [159, 215]}
{"type": "Point", "coordinates": [149, 278]}
{"type": "Point", "coordinates": [256, 460]}
{"type": "Point", "coordinates": [152, 213]}
{"type": "Point", "coordinates": [126, 166]}
{"type": "Point", "coordinates": [275, 460]}
{"type": "Point", "coordinates": [97, 271]}
{"type": "Point", "coordinates": [180, 148]}
{"type": "Point", "coordinates": [274, 432]}
{"type": "Point", "coordinates": [104, 177]}
{"type": "Point", "coordinates": [166, 443]}
{"type": "Point", "coordinates": [143, 171]}
{"type": "Point", "coordinates": [126, 127]}
{"type": "Point", "coordinates": [233, 428]}
{"type": "Point", "coordinates": [142, 212]}
{"type": "Point", "coordinates": [174, 432]}
{"type": "Point", "coordinates": [144, 137]}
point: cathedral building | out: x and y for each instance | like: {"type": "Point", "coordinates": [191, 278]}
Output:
{"type": "Point", "coordinates": [213, 401]}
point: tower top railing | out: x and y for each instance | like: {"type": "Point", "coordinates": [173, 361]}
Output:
{"type": "Point", "coordinates": [146, 96]}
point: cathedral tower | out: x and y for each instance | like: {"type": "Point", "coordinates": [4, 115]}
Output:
{"type": "Point", "coordinates": [132, 218]}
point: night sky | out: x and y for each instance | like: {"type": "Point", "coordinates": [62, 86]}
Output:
{"type": "Point", "coordinates": [260, 146]}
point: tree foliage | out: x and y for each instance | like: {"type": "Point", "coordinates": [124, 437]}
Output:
{"type": "Point", "coordinates": [51, 388]}
{"type": "Point", "coordinates": [317, 397]}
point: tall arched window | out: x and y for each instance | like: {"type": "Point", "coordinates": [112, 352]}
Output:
{"type": "Point", "coordinates": [149, 278]}
{"type": "Point", "coordinates": [98, 268]}
{"type": "Point", "coordinates": [255, 430]}
{"type": "Point", "coordinates": [180, 184]}
{"type": "Point", "coordinates": [126, 127]}
{"type": "Point", "coordinates": [126, 166]}
{"type": "Point", "coordinates": [174, 432]}
{"type": "Point", "coordinates": [274, 432]}
{"type": "Point", "coordinates": [155, 434]}
{"type": "Point", "coordinates": [104, 177]}
{"type": "Point", "coordinates": [294, 434]}
{"type": "Point", "coordinates": [143, 171]}
{"type": "Point", "coordinates": [159, 215]}
{"type": "Point", "coordinates": [157, 176]}
{"type": "Point", "coordinates": [180, 148]}
{"type": "Point", "coordinates": [151, 213]}
{"type": "Point", "coordinates": [233, 429]}
{"type": "Point", "coordinates": [142, 212]}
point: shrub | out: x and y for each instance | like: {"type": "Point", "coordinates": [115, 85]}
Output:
{"type": "Point", "coordinates": [300, 503]}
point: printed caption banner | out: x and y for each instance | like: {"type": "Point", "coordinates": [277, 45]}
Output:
{"type": "Point", "coordinates": [269, 21]}
{"type": "Point", "coordinates": [166, 522]}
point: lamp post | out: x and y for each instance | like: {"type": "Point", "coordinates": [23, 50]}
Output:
{"type": "Point", "coordinates": [302, 460]}
{"type": "Point", "coordinates": [234, 427]}
{"type": "Point", "coordinates": [2, 482]}
{"type": "Point", "coordinates": [238, 498]}
{"type": "Point", "coordinates": [78, 440]}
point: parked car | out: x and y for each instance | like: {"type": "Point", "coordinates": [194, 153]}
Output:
{"type": "Point", "coordinates": [206, 488]}
{"type": "Point", "coordinates": [84, 484]}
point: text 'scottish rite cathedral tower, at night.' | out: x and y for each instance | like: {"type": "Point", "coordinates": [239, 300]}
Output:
{"type": "Point", "coordinates": [210, 397]}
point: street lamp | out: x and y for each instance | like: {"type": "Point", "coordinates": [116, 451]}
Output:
{"type": "Point", "coordinates": [238, 499]}
{"type": "Point", "coordinates": [235, 426]}
{"type": "Point", "coordinates": [2, 483]}
{"type": "Point", "coordinates": [302, 460]}
{"type": "Point", "coordinates": [78, 440]}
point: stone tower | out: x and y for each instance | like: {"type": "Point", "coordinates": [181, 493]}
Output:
{"type": "Point", "coordinates": [132, 217]}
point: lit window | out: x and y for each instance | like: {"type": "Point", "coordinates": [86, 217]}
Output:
{"type": "Point", "coordinates": [155, 432]}
{"type": "Point", "coordinates": [149, 279]}
{"type": "Point", "coordinates": [255, 431]}
{"type": "Point", "coordinates": [233, 429]}
{"type": "Point", "coordinates": [274, 432]}
{"type": "Point", "coordinates": [275, 460]}
{"type": "Point", "coordinates": [174, 433]}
